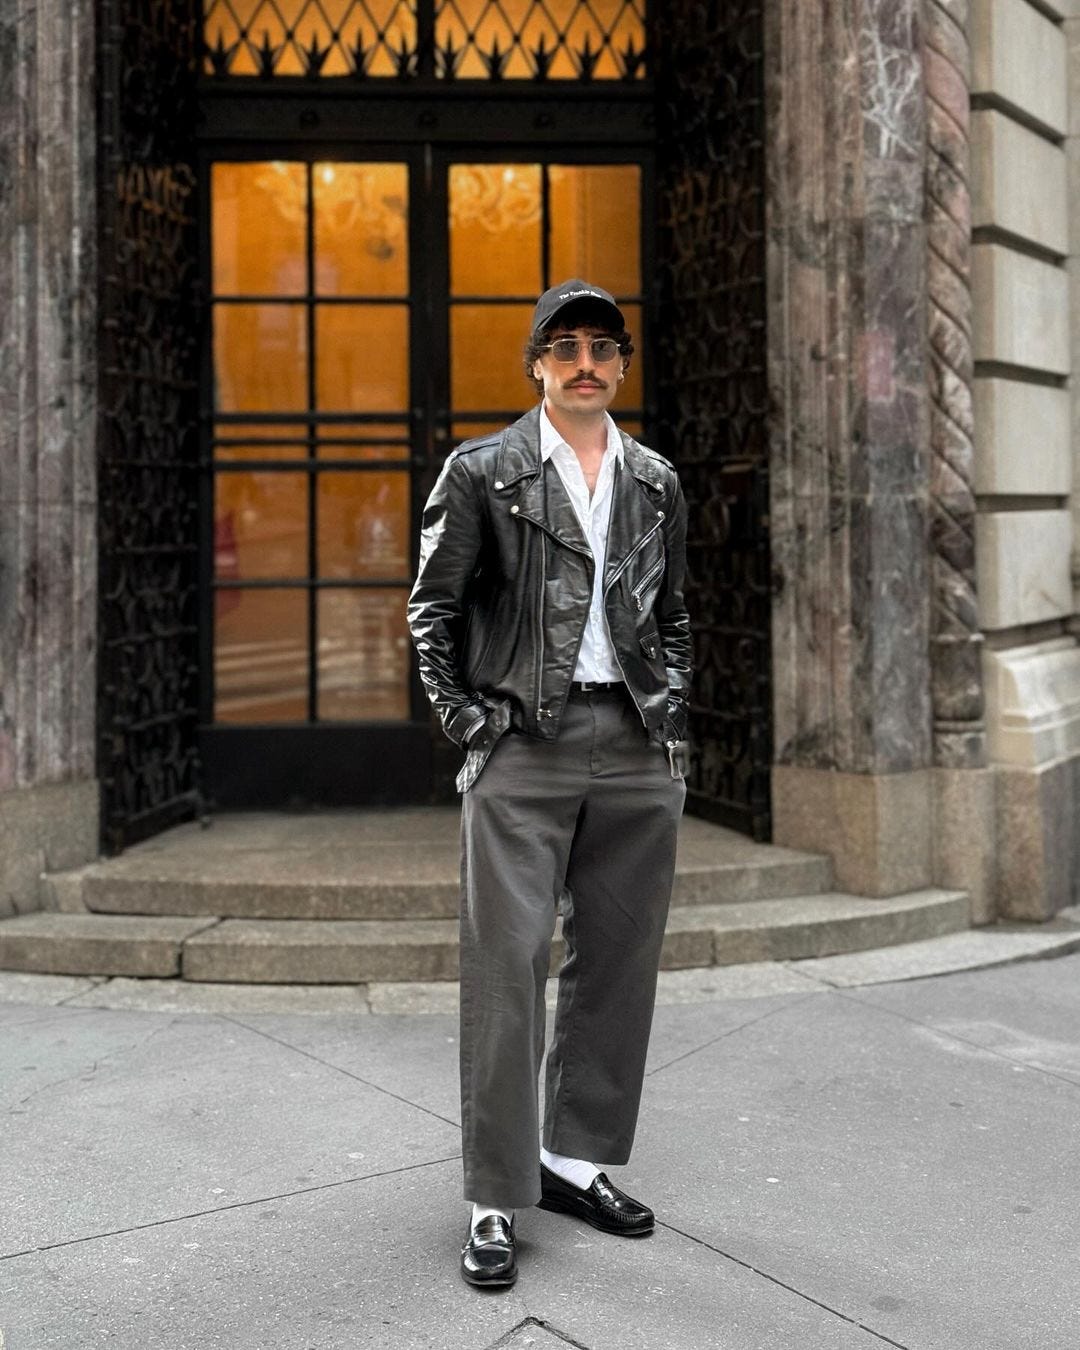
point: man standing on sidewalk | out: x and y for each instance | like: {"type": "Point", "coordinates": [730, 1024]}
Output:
{"type": "Point", "coordinates": [554, 643]}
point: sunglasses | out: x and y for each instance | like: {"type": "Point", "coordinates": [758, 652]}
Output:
{"type": "Point", "coordinates": [566, 349]}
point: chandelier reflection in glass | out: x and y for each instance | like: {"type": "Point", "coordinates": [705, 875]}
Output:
{"type": "Point", "coordinates": [578, 40]}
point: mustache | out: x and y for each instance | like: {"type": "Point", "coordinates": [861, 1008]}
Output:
{"type": "Point", "coordinates": [587, 379]}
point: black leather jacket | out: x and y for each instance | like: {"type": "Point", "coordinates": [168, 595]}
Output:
{"type": "Point", "coordinates": [505, 584]}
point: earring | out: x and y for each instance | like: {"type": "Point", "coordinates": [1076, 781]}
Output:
{"type": "Point", "coordinates": [621, 377]}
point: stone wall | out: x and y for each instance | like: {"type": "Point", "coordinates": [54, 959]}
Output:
{"type": "Point", "coordinates": [850, 468]}
{"type": "Point", "coordinates": [48, 524]}
{"type": "Point", "coordinates": [1024, 358]}
{"type": "Point", "coordinates": [1072, 156]}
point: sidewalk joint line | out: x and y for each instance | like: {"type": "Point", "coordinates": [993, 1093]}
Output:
{"type": "Point", "coordinates": [222, 1209]}
{"type": "Point", "coordinates": [337, 1068]}
{"type": "Point", "coordinates": [731, 1031]}
{"type": "Point", "coordinates": [962, 1040]}
{"type": "Point", "coordinates": [773, 1279]}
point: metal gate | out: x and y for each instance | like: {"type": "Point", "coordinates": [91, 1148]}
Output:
{"type": "Point", "coordinates": [712, 382]}
{"type": "Point", "coordinates": [148, 436]}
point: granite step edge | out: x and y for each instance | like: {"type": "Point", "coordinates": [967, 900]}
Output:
{"type": "Point", "coordinates": [290, 951]}
{"type": "Point", "coordinates": [286, 951]}
{"type": "Point", "coordinates": [338, 898]}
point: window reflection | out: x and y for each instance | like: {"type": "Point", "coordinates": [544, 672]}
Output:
{"type": "Point", "coordinates": [260, 358]}
{"type": "Point", "coordinates": [497, 250]}
{"type": "Point", "coordinates": [260, 520]}
{"type": "Point", "coordinates": [260, 655]}
{"type": "Point", "coordinates": [360, 229]}
{"type": "Point", "coordinates": [363, 655]}
{"type": "Point", "coordinates": [363, 526]}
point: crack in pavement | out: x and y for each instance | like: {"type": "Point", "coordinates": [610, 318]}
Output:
{"type": "Point", "coordinates": [507, 1338]}
{"type": "Point", "coordinates": [221, 1209]}
{"type": "Point", "coordinates": [731, 1031]}
{"type": "Point", "coordinates": [337, 1068]}
{"type": "Point", "coordinates": [86, 1074]}
{"type": "Point", "coordinates": [780, 1284]}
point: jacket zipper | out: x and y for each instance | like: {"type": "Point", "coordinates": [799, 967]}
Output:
{"type": "Point", "coordinates": [540, 630]}
{"type": "Point", "coordinates": [637, 548]}
{"type": "Point", "coordinates": [622, 568]}
{"type": "Point", "coordinates": [646, 582]}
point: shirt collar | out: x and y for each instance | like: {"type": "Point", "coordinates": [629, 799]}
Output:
{"type": "Point", "coordinates": [550, 440]}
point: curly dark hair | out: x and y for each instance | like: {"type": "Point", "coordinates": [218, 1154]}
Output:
{"type": "Point", "coordinates": [579, 315]}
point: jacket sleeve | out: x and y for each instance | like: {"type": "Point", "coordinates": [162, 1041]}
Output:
{"type": "Point", "coordinates": [450, 539]}
{"type": "Point", "coordinates": [673, 619]}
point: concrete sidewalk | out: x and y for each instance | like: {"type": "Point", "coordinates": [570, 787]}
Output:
{"type": "Point", "coordinates": [893, 1164]}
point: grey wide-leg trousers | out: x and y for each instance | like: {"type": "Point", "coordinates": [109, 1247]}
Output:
{"type": "Point", "coordinates": [597, 810]}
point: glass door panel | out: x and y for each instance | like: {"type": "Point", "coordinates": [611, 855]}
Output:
{"type": "Point", "coordinates": [330, 411]}
{"type": "Point", "coordinates": [261, 644]}
{"type": "Point", "coordinates": [515, 229]}
{"type": "Point", "coordinates": [311, 364]}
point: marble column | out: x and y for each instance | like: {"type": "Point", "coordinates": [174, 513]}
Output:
{"type": "Point", "coordinates": [850, 460]}
{"type": "Point", "coordinates": [48, 527]}
{"type": "Point", "coordinates": [964, 804]}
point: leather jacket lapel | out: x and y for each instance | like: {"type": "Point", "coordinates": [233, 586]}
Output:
{"type": "Point", "coordinates": [543, 500]}
{"type": "Point", "coordinates": [546, 503]}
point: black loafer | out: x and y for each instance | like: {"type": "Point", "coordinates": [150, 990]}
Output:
{"type": "Point", "coordinates": [603, 1205]}
{"type": "Point", "coordinates": [489, 1256]}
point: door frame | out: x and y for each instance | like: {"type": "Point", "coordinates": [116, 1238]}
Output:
{"type": "Point", "coordinates": [380, 762]}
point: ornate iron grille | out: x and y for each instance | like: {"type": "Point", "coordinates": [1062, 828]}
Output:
{"type": "Point", "coordinates": [713, 392]}
{"type": "Point", "coordinates": [148, 483]}
{"type": "Point", "coordinates": [580, 40]}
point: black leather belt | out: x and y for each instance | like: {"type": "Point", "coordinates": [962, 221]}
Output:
{"type": "Point", "coordinates": [596, 686]}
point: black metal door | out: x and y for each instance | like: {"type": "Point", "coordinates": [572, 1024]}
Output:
{"type": "Point", "coordinates": [148, 463]}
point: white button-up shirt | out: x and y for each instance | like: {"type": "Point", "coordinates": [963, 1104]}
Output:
{"type": "Point", "coordinates": [596, 658]}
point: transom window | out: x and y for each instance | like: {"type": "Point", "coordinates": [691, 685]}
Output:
{"type": "Point", "coordinates": [578, 40]}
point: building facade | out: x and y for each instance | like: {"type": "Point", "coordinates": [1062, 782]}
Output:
{"type": "Point", "coordinates": [263, 264]}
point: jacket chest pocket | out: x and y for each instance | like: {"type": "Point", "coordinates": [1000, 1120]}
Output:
{"type": "Point", "coordinates": [650, 645]}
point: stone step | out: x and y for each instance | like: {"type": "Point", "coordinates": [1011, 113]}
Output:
{"type": "Point", "coordinates": [374, 865]}
{"type": "Point", "coordinates": [343, 951]}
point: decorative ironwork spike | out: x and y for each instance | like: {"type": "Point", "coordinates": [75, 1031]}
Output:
{"type": "Point", "coordinates": [404, 59]}
{"type": "Point", "coordinates": [542, 58]}
{"type": "Point", "coordinates": [266, 56]}
{"type": "Point", "coordinates": [315, 57]}
{"type": "Point", "coordinates": [496, 60]}
{"type": "Point", "coordinates": [361, 57]}
{"type": "Point", "coordinates": [221, 57]}
{"type": "Point", "coordinates": [586, 59]}
{"type": "Point", "coordinates": [632, 60]}
{"type": "Point", "coordinates": [447, 58]}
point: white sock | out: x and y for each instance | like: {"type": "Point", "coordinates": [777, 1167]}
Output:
{"type": "Point", "coordinates": [574, 1170]}
{"type": "Point", "coordinates": [483, 1211]}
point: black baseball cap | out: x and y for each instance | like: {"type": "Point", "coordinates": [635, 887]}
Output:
{"type": "Point", "coordinates": [569, 293]}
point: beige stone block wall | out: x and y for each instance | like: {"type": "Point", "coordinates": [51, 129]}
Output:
{"type": "Point", "coordinates": [1072, 155]}
{"type": "Point", "coordinates": [1019, 182]}
{"type": "Point", "coordinates": [1025, 439]}
{"type": "Point", "coordinates": [1023, 567]}
{"type": "Point", "coordinates": [1018, 56]}
{"type": "Point", "coordinates": [1026, 190]}
{"type": "Point", "coordinates": [1021, 309]}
